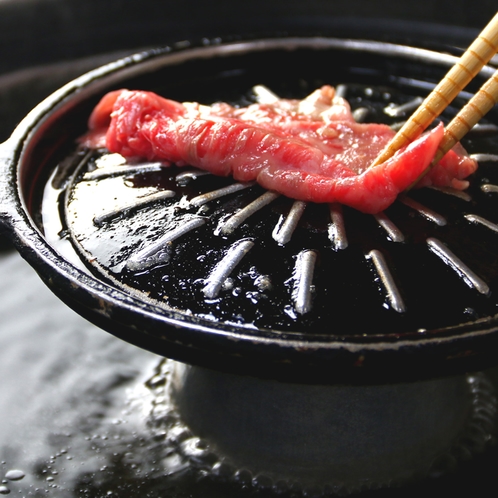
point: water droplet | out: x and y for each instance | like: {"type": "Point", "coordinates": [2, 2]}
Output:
{"type": "Point", "coordinates": [281, 487]}
{"type": "Point", "coordinates": [14, 475]}
{"type": "Point", "coordinates": [228, 284]}
{"type": "Point", "coordinates": [222, 469]}
{"type": "Point", "coordinates": [194, 449]}
{"type": "Point", "coordinates": [243, 476]}
{"type": "Point", "coordinates": [313, 492]}
{"type": "Point", "coordinates": [263, 283]}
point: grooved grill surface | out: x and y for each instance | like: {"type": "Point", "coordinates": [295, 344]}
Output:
{"type": "Point", "coordinates": [237, 254]}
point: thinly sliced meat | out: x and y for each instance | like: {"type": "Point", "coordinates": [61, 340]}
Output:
{"type": "Point", "coordinates": [310, 150]}
{"type": "Point", "coordinates": [371, 191]}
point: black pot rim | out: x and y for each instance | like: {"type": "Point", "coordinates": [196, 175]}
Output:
{"type": "Point", "coordinates": [198, 341]}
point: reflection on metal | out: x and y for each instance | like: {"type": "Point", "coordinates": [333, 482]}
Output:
{"type": "Point", "coordinates": [484, 158]}
{"type": "Point", "coordinates": [464, 196]}
{"type": "Point", "coordinates": [397, 126]}
{"type": "Point", "coordinates": [158, 252]}
{"type": "Point", "coordinates": [395, 111]}
{"type": "Point", "coordinates": [487, 188]}
{"type": "Point", "coordinates": [392, 291]}
{"type": "Point", "coordinates": [392, 230]}
{"type": "Point", "coordinates": [424, 211]}
{"type": "Point", "coordinates": [128, 170]}
{"type": "Point", "coordinates": [341, 90]}
{"type": "Point", "coordinates": [361, 114]}
{"type": "Point", "coordinates": [446, 255]}
{"type": "Point", "coordinates": [137, 204]}
{"type": "Point", "coordinates": [283, 232]}
{"type": "Point", "coordinates": [303, 279]}
{"type": "Point", "coordinates": [474, 218]}
{"type": "Point", "coordinates": [191, 174]}
{"type": "Point", "coordinates": [238, 218]}
{"type": "Point", "coordinates": [337, 230]}
{"type": "Point", "coordinates": [483, 128]}
{"type": "Point", "coordinates": [216, 194]}
{"type": "Point", "coordinates": [460, 194]}
{"type": "Point", "coordinates": [225, 267]}
{"type": "Point", "coordinates": [264, 95]}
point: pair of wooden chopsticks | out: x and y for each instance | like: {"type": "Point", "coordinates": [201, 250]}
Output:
{"type": "Point", "coordinates": [484, 47]}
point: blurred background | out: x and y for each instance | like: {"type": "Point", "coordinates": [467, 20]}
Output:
{"type": "Point", "coordinates": [72, 397]}
{"type": "Point", "coordinates": [70, 36]}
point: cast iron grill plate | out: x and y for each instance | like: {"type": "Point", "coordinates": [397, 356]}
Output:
{"type": "Point", "coordinates": [425, 264]}
{"type": "Point", "coordinates": [390, 304]}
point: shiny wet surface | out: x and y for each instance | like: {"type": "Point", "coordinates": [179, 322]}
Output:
{"type": "Point", "coordinates": [76, 412]}
{"type": "Point", "coordinates": [75, 417]}
{"type": "Point", "coordinates": [107, 222]}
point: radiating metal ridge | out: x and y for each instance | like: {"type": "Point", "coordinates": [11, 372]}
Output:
{"type": "Point", "coordinates": [483, 128]}
{"type": "Point", "coordinates": [303, 281]}
{"type": "Point", "coordinates": [341, 90]}
{"type": "Point", "coordinates": [264, 95]}
{"type": "Point", "coordinates": [470, 278]}
{"type": "Point", "coordinates": [216, 194]}
{"type": "Point", "coordinates": [461, 194]}
{"type": "Point", "coordinates": [399, 110]}
{"type": "Point", "coordinates": [106, 172]}
{"type": "Point", "coordinates": [392, 230]}
{"type": "Point", "coordinates": [424, 211]}
{"type": "Point", "coordinates": [337, 229]}
{"type": "Point", "coordinates": [191, 174]}
{"type": "Point", "coordinates": [283, 232]}
{"type": "Point", "coordinates": [137, 204]}
{"type": "Point", "coordinates": [159, 251]}
{"type": "Point", "coordinates": [397, 126]}
{"type": "Point", "coordinates": [474, 218]}
{"type": "Point", "coordinates": [484, 158]}
{"type": "Point", "coordinates": [360, 114]}
{"type": "Point", "coordinates": [487, 188]}
{"type": "Point", "coordinates": [225, 267]}
{"type": "Point", "coordinates": [238, 218]}
{"type": "Point", "coordinates": [393, 294]}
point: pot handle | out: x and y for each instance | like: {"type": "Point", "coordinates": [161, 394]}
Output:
{"type": "Point", "coordinates": [7, 184]}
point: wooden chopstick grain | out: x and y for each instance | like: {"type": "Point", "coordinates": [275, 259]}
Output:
{"type": "Point", "coordinates": [482, 49]}
{"type": "Point", "coordinates": [477, 107]}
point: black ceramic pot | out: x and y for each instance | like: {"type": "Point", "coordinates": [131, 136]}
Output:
{"type": "Point", "coordinates": [339, 353]}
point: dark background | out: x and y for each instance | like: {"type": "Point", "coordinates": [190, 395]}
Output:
{"type": "Point", "coordinates": [44, 43]}
{"type": "Point", "coordinates": [39, 31]}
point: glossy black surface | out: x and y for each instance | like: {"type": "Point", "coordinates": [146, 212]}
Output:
{"type": "Point", "coordinates": [344, 280]}
{"type": "Point", "coordinates": [265, 352]}
{"type": "Point", "coordinates": [69, 418]}
{"type": "Point", "coordinates": [76, 411]}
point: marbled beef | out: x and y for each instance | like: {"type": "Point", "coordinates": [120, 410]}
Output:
{"type": "Point", "coordinates": [311, 150]}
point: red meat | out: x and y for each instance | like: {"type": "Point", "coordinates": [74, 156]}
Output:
{"type": "Point", "coordinates": [311, 150]}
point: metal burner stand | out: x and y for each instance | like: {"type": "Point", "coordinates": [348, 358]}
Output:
{"type": "Point", "coordinates": [321, 439]}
